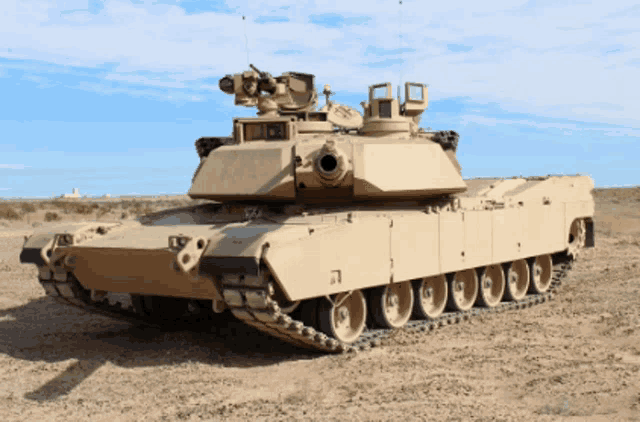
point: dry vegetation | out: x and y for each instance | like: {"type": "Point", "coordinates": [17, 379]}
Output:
{"type": "Point", "coordinates": [20, 213]}
{"type": "Point", "coordinates": [107, 209]}
{"type": "Point", "coordinates": [576, 358]}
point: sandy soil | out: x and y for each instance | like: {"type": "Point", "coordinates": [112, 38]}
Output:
{"type": "Point", "coordinates": [576, 358]}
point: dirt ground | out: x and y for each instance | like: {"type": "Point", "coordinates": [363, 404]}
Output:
{"type": "Point", "coordinates": [575, 358]}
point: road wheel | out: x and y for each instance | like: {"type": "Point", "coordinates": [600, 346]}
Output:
{"type": "Point", "coordinates": [541, 269]}
{"type": "Point", "coordinates": [343, 316]}
{"type": "Point", "coordinates": [463, 290]}
{"type": "Point", "coordinates": [391, 305]}
{"type": "Point", "coordinates": [430, 295]}
{"type": "Point", "coordinates": [517, 280]}
{"type": "Point", "coordinates": [492, 286]}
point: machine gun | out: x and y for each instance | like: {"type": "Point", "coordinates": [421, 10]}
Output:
{"type": "Point", "coordinates": [290, 92]}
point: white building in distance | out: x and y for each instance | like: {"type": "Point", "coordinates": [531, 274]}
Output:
{"type": "Point", "coordinates": [75, 194]}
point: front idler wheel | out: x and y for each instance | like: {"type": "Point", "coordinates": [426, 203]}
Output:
{"type": "Point", "coordinates": [431, 294]}
{"type": "Point", "coordinates": [492, 286]}
{"type": "Point", "coordinates": [463, 290]}
{"type": "Point", "coordinates": [391, 305]}
{"type": "Point", "coordinates": [541, 269]}
{"type": "Point", "coordinates": [343, 316]}
{"type": "Point", "coordinates": [517, 280]}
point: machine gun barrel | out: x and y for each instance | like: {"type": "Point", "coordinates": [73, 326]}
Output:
{"type": "Point", "coordinates": [266, 82]}
{"type": "Point", "coordinates": [255, 69]}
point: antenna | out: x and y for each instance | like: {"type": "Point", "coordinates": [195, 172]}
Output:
{"type": "Point", "coordinates": [400, 44]}
{"type": "Point", "coordinates": [246, 40]}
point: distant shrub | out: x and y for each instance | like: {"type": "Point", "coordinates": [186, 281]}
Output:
{"type": "Point", "coordinates": [108, 207]}
{"type": "Point", "coordinates": [132, 204]}
{"type": "Point", "coordinates": [8, 213]}
{"type": "Point", "coordinates": [72, 207]}
{"type": "Point", "coordinates": [64, 206]}
{"type": "Point", "coordinates": [83, 209]}
{"type": "Point", "coordinates": [51, 216]}
{"type": "Point", "coordinates": [143, 210]}
{"type": "Point", "coordinates": [27, 207]}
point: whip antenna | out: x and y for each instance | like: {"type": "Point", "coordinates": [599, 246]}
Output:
{"type": "Point", "coordinates": [246, 40]}
{"type": "Point", "coordinates": [400, 45]}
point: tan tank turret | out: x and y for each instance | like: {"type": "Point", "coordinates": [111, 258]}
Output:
{"type": "Point", "coordinates": [330, 228]}
{"type": "Point", "coordinates": [303, 156]}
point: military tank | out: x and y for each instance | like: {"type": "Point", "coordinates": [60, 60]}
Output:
{"type": "Point", "coordinates": [326, 228]}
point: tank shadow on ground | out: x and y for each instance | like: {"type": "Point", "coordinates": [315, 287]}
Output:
{"type": "Point", "coordinates": [44, 330]}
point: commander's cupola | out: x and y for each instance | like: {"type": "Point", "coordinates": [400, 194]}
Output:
{"type": "Point", "coordinates": [384, 115]}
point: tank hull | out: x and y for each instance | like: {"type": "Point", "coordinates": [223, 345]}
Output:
{"type": "Point", "coordinates": [264, 264]}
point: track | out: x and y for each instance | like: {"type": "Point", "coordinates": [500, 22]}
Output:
{"type": "Point", "coordinates": [255, 308]}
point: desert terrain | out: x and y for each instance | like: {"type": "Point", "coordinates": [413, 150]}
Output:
{"type": "Point", "coordinates": [574, 358]}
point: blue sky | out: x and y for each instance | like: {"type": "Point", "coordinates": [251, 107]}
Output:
{"type": "Point", "coordinates": [109, 96]}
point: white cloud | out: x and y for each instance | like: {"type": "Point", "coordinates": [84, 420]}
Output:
{"type": "Point", "coordinates": [145, 80]}
{"type": "Point", "coordinates": [13, 166]}
{"type": "Point", "coordinates": [137, 91]}
{"type": "Point", "coordinates": [548, 60]}
{"type": "Point", "coordinates": [569, 128]}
